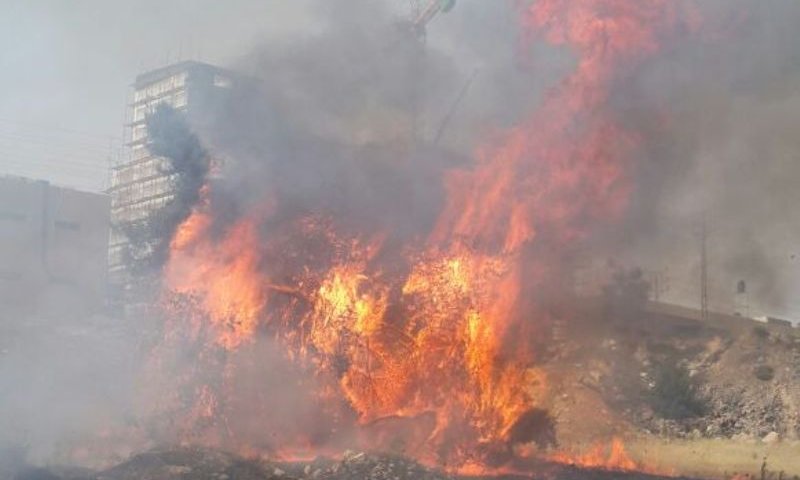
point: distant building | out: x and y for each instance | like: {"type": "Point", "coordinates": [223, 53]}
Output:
{"type": "Point", "coordinates": [139, 184]}
{"type": "Point", "coordinates": [779, 322]}
{"type": "Point", "coordinates": [53, 244]}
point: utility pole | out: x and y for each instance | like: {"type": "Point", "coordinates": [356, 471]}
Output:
{"type": "Point", "coordinates": [741, 303]}
{"type": "Point", "coordinates": [703, 271]}
{"type": "Point", "coordinates": [659, 283]}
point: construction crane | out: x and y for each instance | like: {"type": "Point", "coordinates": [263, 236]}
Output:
{"type": "Point", "coordinates": [425, 15]}
{"type": "Point", "coordinates": [420, 18]}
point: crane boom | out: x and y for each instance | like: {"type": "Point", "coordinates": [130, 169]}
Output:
{"type": "Point", "coordinates": [430, 12]}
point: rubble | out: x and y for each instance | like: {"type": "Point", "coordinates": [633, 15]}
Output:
{"type": "Point", "coordinates": [738, 402]}
{"type": "Point", "coordinates": [363, 465]}
{"type": "Point", "coordinates": [771, 437]}
{"type": "Point", "coordinates": [185, 463]}
{"type": "Point", "coordinates": [207, 464]}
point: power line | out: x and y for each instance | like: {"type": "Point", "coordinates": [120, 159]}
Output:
{"type": "Point", "coordinates": [80, 182]}
{"type": "Point", "coordinates": [87, 178]}
{"type": "Point", "coordinates": [37, 126]}
{"type": "Point", "coordinates": [96, 182]}
{"type": "Point", "coordinates": [57, 160]}
{"type": "Point", "coordinates": [49, 170]}
{"type": "Point", "coordinates": [98, 161]}
{"type": "Point", "coordinates": [53, 140]}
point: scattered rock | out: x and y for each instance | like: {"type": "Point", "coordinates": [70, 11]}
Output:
{"type": "Point", "coordinates": [204, 464]}
{"type": "Point", "coordinates": [771, 437]}
{"type": "Point", "coordinates": [178, 470]}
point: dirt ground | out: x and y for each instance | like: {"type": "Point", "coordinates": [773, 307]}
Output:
{"type": "Point", "coordinates": [601, 374]}
{"type": "Point", "coordinates": [718, 458]}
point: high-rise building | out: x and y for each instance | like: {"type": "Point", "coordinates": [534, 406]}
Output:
{"type": "Point", "coordinates": [52, 248]}
{"type": "Point", "coordinates": [140, 183]}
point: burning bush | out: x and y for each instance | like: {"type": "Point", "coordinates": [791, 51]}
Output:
{"type": "Point", "coordinates": [537, 426]}
{"type": "Point", "coordinates": [423, 332]}
{"type": "Point", "coordinates": [761, 332]}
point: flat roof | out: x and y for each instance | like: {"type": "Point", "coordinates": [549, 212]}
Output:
{"type": "Point", "coordinates": [16, 179]}
{"type": "Point", "coordinates": [153, 76]}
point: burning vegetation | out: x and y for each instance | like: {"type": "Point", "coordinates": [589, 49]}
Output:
{"type": "Point", "coordinates": [421, 339]}
{"type": "Point", "coordinates": [327, 280]}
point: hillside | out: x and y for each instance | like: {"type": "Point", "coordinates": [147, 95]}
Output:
{"type": "Point", "coordinates": [661, 376]}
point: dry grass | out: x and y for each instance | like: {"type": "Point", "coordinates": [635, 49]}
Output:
{"type": "Point", "coordinates": [717, 458]}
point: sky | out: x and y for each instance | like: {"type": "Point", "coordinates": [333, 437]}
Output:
{"type": "Point", "coordinates": [67, 67]}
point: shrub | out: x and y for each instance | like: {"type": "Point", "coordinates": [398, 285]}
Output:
{"type": "Point", "coordinates": [536, 425]}
{"type": "Point", "coordinates": [761, 332]}
{"type": "Point", "coordinates": [675, 394]}
{"type": "Point", "coordinates": [764, 373]}
{"type": "Point", "coordinates": [626, 294]}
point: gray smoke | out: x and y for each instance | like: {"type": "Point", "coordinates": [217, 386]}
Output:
{"type": "Point", "coordinates": [328, 118]}
{"type": "Point", "coordinates": [187, 163]}
{"type": "Point", "coordinates": [717, 111]}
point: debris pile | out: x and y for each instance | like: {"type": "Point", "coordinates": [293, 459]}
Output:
{"type": "Point", "coordinates": [741, 402]}
{"type": "Point", "coordinates": [206, 464]}
{"type": "Point", "coordinates": [364, 465]}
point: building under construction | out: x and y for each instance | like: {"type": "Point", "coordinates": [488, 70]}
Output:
{"type": "Point", "coordinates": [141, 183]}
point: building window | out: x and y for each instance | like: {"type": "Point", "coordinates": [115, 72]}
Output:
{"type": "Point", "coordinates": [139, 132]}
{"type": "Point", "coordinates": [139, 113]}
{"type": "Point", "coordinates": [140, 152]}
{"type": "Point", "coordinates": [161, 87]}
{"type": "Point", "coordinates": [222, 81]}
{"type": "Point", "coordinates": [67, 225]}
{"type": "Point", "coordinates": [179, 79]}
{"type": "Point", "coordinates": [180, 99]}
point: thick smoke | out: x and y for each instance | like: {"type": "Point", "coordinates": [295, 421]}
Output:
{"type": "Point", "coordinates": [346, 115]}
{"type": "Point", "coordinates": [718, 114]}
{"type": "Point", "coordinates": [187, 163]}
{"type": "Point", "coordinates": [341, 116]}
{"type": "Point", "coordinates": [714, 111]}
{"type": "Point", "coordinates": [333, 126]}
{"type": "Point", "coordinates": [328, 129]}
{"type": "Point", "coordinates": [338, 118]}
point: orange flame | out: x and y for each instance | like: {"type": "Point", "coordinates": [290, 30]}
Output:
{"type": "Point", "coordinates": [447, 334]}
{"type": "Point", "coordinates": [230, 283]}
{"type": "Point", "coordinates": [603, 456]}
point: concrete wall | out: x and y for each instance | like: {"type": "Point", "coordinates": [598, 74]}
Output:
{"type": "Point", "coordinates": [53, 248]}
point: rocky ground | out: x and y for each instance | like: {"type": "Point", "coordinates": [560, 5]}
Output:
{"type": "Point", "coordinates": [601, 378]}
{"type": "Point", "coordinates": [203, 464]}
{"type": "Point", "coordinates": [745, 378]}
{"type": "Point", "coordinates": [748, 383]}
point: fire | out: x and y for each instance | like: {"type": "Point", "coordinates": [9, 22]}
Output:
{"type": "Point", "coordinates": [603, 456]}
{"type": "Point", "coordinates": [611, 456]}
{"type": "Point", "coordinates": [229, 284]}
{"type": "Point", "coordinates": [438, 327]}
